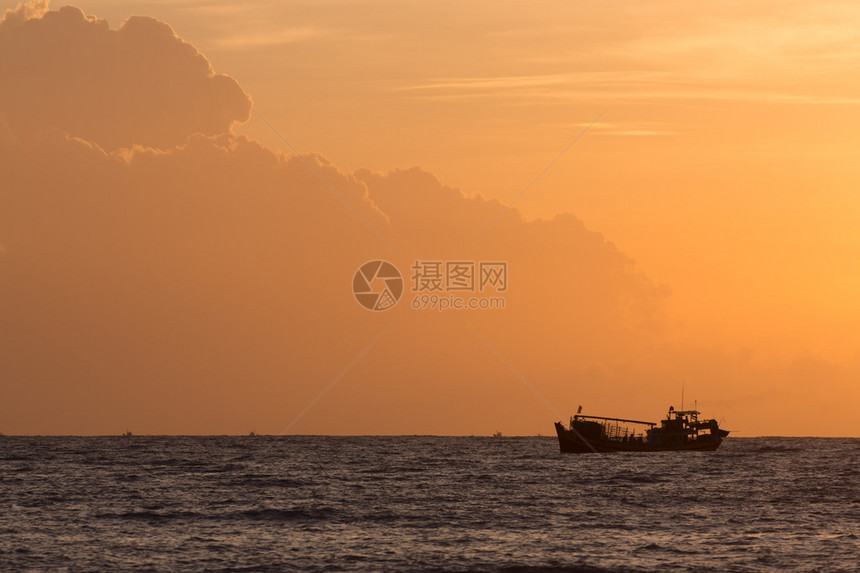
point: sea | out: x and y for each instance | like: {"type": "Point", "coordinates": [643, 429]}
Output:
{"type": "Point", "coordinates": [424, 503]}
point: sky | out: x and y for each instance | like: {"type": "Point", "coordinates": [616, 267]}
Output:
{"type": "Point", "coordinates": [186, 195]}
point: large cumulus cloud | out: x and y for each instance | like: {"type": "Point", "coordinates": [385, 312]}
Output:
{"type": "Point", "coordinates": [140, 84]}
{"type": "Point", "coordinates": [215, 277]}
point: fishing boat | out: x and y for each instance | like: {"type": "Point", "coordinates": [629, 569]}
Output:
{"type": "Point", "coordinates": [681, 430]}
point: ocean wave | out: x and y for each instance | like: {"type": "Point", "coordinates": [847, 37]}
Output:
{"type": "Point", "coordinates": [150, 515]}
{"type": "Point", "coordinates": [424, 504]}
{"type": "Point", "coordinates": [287, 515]}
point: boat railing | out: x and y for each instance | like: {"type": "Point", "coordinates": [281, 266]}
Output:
{"type": "Point", "coordinates": [604, 418]}
{"type": "Point", "coordinates": [617, 429]}
{"type": "Point", "coordinates": [624, 433]}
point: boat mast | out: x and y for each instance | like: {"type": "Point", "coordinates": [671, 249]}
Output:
{"type": "Point", "coordinates": [682, 394]}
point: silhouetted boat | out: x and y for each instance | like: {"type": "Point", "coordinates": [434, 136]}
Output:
{"type": "Point", "coordinates": [681, 430]}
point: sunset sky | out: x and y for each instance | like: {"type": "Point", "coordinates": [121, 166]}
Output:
{"type": "Point", "coordinates": [169, 265]}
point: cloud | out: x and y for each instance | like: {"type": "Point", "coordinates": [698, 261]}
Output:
{"type": "Point", "coordinates": [256, 39]}
{"type": "Point", "coordinates": [615, 86]}
{"type": "Point", "coordinates": [626, 130]}
{"type": "Point", "coordinates": [140, 84]}
{"type": "Point", "coordinates": [25, 11]}
{"type": "Point", "coordinates": [138, 280]}
{"type": "Point", "coordinates": [491, 83]}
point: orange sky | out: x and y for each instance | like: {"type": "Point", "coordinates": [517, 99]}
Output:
{"type": "Point", "coordinates": [199, 288]}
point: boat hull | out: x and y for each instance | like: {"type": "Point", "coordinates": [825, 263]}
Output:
{"type": "Point", "coordinates": [572, 442]}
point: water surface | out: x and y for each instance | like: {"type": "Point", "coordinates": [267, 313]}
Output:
{"type": "Point", "coordinates": [424, 503]}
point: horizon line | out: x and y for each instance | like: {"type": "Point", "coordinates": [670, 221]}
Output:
{"type": "Point", "coordinates": [256, 435]}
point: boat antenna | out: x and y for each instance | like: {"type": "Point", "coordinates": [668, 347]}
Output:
{"type": "Point", "coordinates": [682, 394]}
